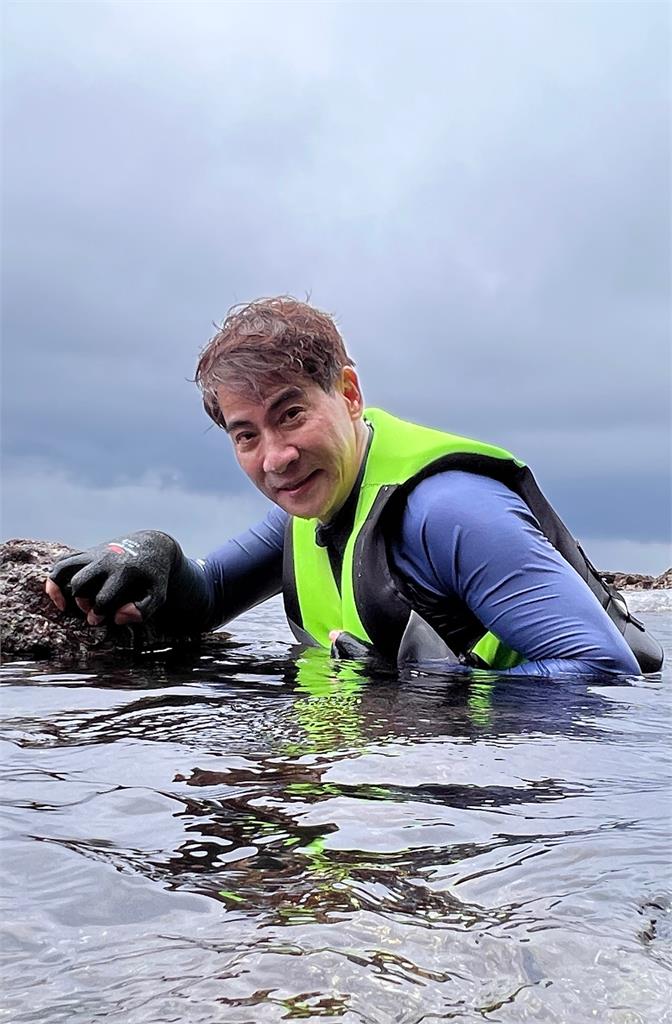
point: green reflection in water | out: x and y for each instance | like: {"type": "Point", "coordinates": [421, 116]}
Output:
{"type": "Point", "coordinates": [479, 704]}
{"type": "Point", "coordinates": [329, 708]}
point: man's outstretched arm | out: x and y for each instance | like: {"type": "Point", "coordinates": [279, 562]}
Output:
{"type": "Point", "coordinates": [145, 575]}
{"type": "Point", "coordinates": [468, 535]}
{"type": "Point", "coordinates": [245, 570]}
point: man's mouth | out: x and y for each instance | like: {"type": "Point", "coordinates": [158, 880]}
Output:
{"type": "Point", "coordinates": [297, 485]}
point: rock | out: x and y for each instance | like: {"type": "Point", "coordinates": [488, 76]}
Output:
{"type": "Point", "coordinates": [32, 627]}
{"type": "Point", "coordinates": [639, 581]}
{"type": "Point", "coordinates": [664, 581]}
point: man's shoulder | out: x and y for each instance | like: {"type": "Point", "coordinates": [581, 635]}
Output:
{"type": "Point", "coordinates": [277, 517]}
{"type": "Point", "coordinates": [457, 488]}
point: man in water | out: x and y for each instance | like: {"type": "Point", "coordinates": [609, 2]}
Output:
{"type": "Point", "coordinates": [385, 536]}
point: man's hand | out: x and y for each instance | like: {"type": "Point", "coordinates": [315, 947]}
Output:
{"type": "Point", "coordinates": [124, 580]}
{"type": "Point", "coordinates": [124, 616]}
{"type": "Point", "coordinates": [344, 645]}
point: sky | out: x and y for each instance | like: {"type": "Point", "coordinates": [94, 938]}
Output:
{"type": "Point", "coordinates": [480, 193]}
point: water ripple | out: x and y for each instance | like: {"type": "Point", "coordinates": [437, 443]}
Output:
{"type": "Point", "coordinates": [261, 835]}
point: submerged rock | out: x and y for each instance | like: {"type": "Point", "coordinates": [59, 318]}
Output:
{"type": "Point", "coordinates": [32, 626]}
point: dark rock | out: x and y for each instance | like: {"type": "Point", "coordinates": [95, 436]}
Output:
{"type": "Point", "coordinates": [32, 627]}
{"type": "Point", "coordinates": [639, 581]}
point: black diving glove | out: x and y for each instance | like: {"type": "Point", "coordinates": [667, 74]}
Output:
{"type": "Point", "coordinates": [147, 568]}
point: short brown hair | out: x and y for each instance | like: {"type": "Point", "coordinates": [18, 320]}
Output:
{"type": "Point", "coordinates": [266, 342]}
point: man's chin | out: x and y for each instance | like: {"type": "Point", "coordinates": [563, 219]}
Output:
{"type": "Point", "coordinates": [306, 502]}
{"type": "Point", "coordinates": [301, 509]}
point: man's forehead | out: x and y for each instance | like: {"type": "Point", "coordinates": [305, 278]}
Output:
{"type": "Point", "coordinates": [263, 397]}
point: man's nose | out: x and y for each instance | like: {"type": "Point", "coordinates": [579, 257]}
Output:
{"type": "Point", "coordinates": [278, 455]}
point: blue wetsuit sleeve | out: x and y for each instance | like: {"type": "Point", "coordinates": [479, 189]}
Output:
{"type": "Point", "coordinates": [468, 535]}
{"type": "Point", "coordinates": [243, 572]}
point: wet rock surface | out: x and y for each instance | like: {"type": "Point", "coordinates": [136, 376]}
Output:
{"type": "Point", "coordinates": [32, 627]}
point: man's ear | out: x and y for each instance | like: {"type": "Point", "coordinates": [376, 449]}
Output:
{"type": "Point", "coordinates": [352, 392]}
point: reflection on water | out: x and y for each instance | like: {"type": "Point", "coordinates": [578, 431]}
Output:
{"type": "Point", "coordinates": [264, 835]}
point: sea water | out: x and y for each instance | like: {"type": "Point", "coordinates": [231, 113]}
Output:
{"type": "Point", "coordinates": [264, 835]}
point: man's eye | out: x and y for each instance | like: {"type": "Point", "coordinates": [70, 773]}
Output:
{"type": "Point", "coordinates": [243, 438]}
{"type": "Point", "coordinates": [293, 413]}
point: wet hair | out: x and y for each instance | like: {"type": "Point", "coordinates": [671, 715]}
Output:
{"type": "Point", "coordinates": [268, 342]}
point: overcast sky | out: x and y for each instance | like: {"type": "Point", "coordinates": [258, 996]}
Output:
{"type": "Point", "coordinates": [479, 192]}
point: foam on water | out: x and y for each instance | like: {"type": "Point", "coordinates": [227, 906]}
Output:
{"type": "Point", "coordinates": [649, 600]}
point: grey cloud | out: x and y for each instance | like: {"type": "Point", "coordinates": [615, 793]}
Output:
{"type": "Point", "coordinates": [201, 521]}
{"type": "Point", "coordinates": [480, 192]}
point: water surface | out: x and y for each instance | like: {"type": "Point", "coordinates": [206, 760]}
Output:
{"type": "Point", "coordinates": [262, 835]}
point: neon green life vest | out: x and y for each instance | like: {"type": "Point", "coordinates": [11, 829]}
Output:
{"type": "Point", "coordinates": [399, 452]}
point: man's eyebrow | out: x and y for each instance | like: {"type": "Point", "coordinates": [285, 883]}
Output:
{"type": "Point", "coordinates": [288, 394]}
{"type": "Point", "coordinates": [229, 427]}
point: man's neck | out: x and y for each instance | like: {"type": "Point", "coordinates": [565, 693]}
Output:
{"type": "Point", "coordinates": [342, 519]}
{"type": "Point", "coordinates": [364, 435]}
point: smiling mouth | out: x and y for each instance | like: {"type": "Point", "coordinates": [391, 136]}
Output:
{"type": "Point", "coordinates": [294, 487]}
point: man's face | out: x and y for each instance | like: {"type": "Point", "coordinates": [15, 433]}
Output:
{"type": "Point", "coordinates": [301, 446]}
